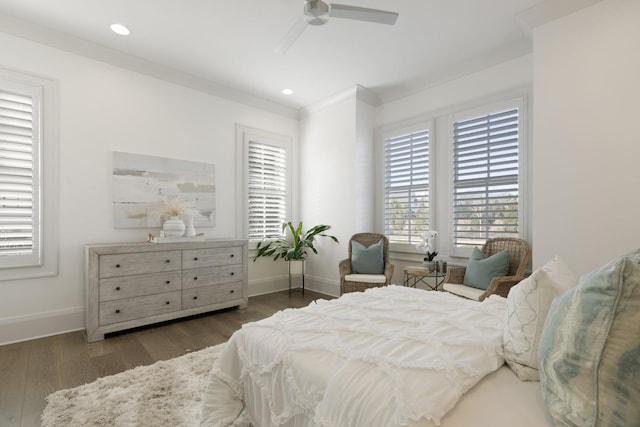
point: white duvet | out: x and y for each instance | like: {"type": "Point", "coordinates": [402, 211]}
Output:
{"type": "Point", "coordinates": [390, 356]}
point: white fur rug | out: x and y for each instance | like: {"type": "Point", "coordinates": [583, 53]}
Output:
{"type": "Point", "coordinates": [167, 393]}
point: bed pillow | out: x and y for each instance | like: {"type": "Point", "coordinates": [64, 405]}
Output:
{"type": "Point", "coordinates": [528, 303]}
{"type": "Point", "coordinates": [589, 353]}
{"type": "Point", "coordinates": [481, 269]}
{"type": "Point", "coordinates": [367, 260]}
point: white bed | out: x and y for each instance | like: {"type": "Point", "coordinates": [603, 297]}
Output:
{"type": "Point", "coordinates": [390, 356]}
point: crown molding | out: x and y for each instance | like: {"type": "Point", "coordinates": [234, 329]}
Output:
{"type": "Point", "coordinates": [46, 36]}
{"type": "Point", "coordinates": [548, 11]}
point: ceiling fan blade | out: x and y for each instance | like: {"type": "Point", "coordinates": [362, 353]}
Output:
{"type": "Point", "coordinates": [363, 14]}
{"type": "Point", "coordinates": [292, 35]}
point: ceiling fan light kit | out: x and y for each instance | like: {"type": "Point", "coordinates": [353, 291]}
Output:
{"type": "Point", "coordinates": [317, 12]}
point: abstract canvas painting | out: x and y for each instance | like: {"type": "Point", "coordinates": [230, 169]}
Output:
{"type": "Point", "coordinates": [142, 184]}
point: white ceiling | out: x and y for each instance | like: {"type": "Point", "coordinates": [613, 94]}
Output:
{"type": "Point", "coordinates": [229, 45]}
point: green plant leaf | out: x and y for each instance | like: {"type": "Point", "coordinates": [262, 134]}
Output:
{"type": "Point", "coordinates": [295, 246]}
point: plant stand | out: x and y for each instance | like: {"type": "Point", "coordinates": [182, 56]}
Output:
{"type": "Point", "coordinates": [296, 268]}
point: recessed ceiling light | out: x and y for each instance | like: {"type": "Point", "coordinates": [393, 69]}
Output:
{"type": "Point", "coordinates": [120, 29]}
{"type": "Point", "coordinates": [287, 91]}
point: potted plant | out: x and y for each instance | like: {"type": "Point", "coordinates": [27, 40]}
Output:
{"type": "Point", "coordinates": [294, 247]}
{"type": "Point", "coordinates": [428, 245]}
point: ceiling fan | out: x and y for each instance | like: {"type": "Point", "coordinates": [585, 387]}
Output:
{"type": "Point", "coordinates": [317, 12]}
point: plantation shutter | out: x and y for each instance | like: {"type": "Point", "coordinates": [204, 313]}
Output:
{"type": "Point", "coordinates": [19, 200]}
{"type": "Point", "coordinates": [486, 177]}
{"type": "Point", "coordinates": [267, 190]}
{"type": "Point", "coordinates": [406, 194]}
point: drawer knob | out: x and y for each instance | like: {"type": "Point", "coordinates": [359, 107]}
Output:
{"type": "Point", "coordinates": [117, 310]}
{"type": "Point", "coordinates": [232, 255]}
{"type": "Point", "coordinates": [195, 278]}
{"type": "Point", "coordinates": [117, 288]}
{"type": "Point", "coordinates": [195, 259]}
{"type": "Point", "coordinates": [195, 297]}
{"type": "Point", "coordinates": [168, 302]}
{"type": "Point", "coordinates": [232, 291]}
{"type": "Point", "coordinates": [232, 273]}
{"type": "Point", "coordinates": [168, 261]}
{"type": "Point", "coordinates": [117, 265]}
{"type": "Point", "coordinates": [168, 281]}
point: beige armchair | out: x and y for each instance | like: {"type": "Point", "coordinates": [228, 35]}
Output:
{"type": "Point", "coordinates": [351, 282]}
{"type": "Point", "coordinates": [519, 254]}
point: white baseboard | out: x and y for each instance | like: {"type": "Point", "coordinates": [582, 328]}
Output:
{"type": "Point", "coordinates": [40, 325]}
{"type": "Point", "coordinates": [322, 285]}
{"type": "Point", "coordinates": [268, 286]}
{"type": "Point", "coordinates": [281, 283]}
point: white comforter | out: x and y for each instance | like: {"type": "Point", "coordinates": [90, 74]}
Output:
{"type": "Point", "coordinates": [391, 356]}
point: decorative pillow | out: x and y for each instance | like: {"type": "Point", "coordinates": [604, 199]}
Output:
{"type": "Point", "coordinates": [562, 276]}
{"type": "Point", "coordinates": [589, 353]}
{"type": "Point", "coordinates": [480, 269]}
{"type": "Point", "coordinates": [367, 260]}
{"type": "Point", "coordinates": [528, 303]}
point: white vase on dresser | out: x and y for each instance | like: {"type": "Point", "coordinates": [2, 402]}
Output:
{"type": "Point", "coordinates": [173, 227]}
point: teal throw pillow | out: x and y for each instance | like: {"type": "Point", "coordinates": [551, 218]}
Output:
{"type": "Point", "coordinates": [589, 351]}
{"type": "Point", "coordinates": [367, 260]}
{"type": "Point", "coordinates": [481, 269]}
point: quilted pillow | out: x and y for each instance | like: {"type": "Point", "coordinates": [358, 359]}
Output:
{"type": "Point", "coordinates": [589, 353]}
{"type": "Point", "coordinates": [528, 303]}
{"type": "Point", "coordinates": [367, 260]}
{"type": "Point", "coordinates": [481, 269]}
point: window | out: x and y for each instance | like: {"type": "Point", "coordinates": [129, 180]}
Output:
{"type": "Point", "coordinates": [407, 186]}
{"type": "Point", "coordinates": [19, 183]}
{"type": "Point", "coordinates": [486, 175]}
{"type": "Point", "coordinates": [268, 183]}
{"type": "Point", "coordinates": [27, 247]}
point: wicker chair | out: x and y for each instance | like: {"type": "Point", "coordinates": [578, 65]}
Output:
{"type": "Point", "coordinates": [359, 282]}
{"type": "Point", "coordinates": [519, 253]}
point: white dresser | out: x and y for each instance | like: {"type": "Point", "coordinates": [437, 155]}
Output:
{"type": "Point", "coordinates": [130, 285]}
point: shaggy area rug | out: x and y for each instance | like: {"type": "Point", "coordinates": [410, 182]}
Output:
{"type": "Point", "coordinates": [167, 393]}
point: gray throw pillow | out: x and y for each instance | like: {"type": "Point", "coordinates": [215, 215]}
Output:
{"type": "Point", "coordinates": [481, 269]}
{"type": "Point", "coordinates": [367, 260]}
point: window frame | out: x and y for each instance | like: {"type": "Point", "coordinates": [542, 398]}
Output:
{"type": "Point", "coordinates": [393, 132]}
{"type": "Point", "coordinates": [45, 161]}
{"type": "Point", "coordinates": [519, 102]}
{"type": "Point", "coordinates": [245, 135]}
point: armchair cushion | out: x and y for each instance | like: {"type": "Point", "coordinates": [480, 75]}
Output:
{"type": "Point", "coordinates": [367, 260]}
{"type": "Point", "coordinates": [464, 291]}
{"type": "Point", "coordinates": [481, 269]}
{"type": "Point", "coordinates": [366, 278]}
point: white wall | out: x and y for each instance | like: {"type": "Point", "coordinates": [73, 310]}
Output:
{"type": "Point", "coordinates": [586, 148]}
{"type": "Point", "coordinates": [327, 187]}
{"type": "Point", "coordinates": [339, 167]}
{"type": "Point", "coordinates": [506, 79]}
{"type": "Point", "coordinates": [103, 109]}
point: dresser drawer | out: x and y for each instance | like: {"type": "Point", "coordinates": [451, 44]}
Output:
{"type": "Point", "coordinates": [198, 297]}
{"type": "Point", "coordinates": [139, 263]}
{"type": "Point", "coordinates": [198, 277]}
{"type": "Point", "coordinates": [139, 307]}
{"type": "Point", "coordinates": [195, 258]}
{"type": "Point", "coordinates": [115, 288]}
{"type": "Point", "coordinates": [135, 284]}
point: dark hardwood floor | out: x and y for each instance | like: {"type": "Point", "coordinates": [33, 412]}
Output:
{"type": "Point", "coordinates": [31, 370]}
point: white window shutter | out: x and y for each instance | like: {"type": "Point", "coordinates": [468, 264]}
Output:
{"type": "Point", "coordinates": [267, 190]}
{"type": "Point", "coordinates": [406, 187]}
{"type": "Point", "coordinates": [486, 177]}
{"type": "Point", "coordinates": [19, 186]}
